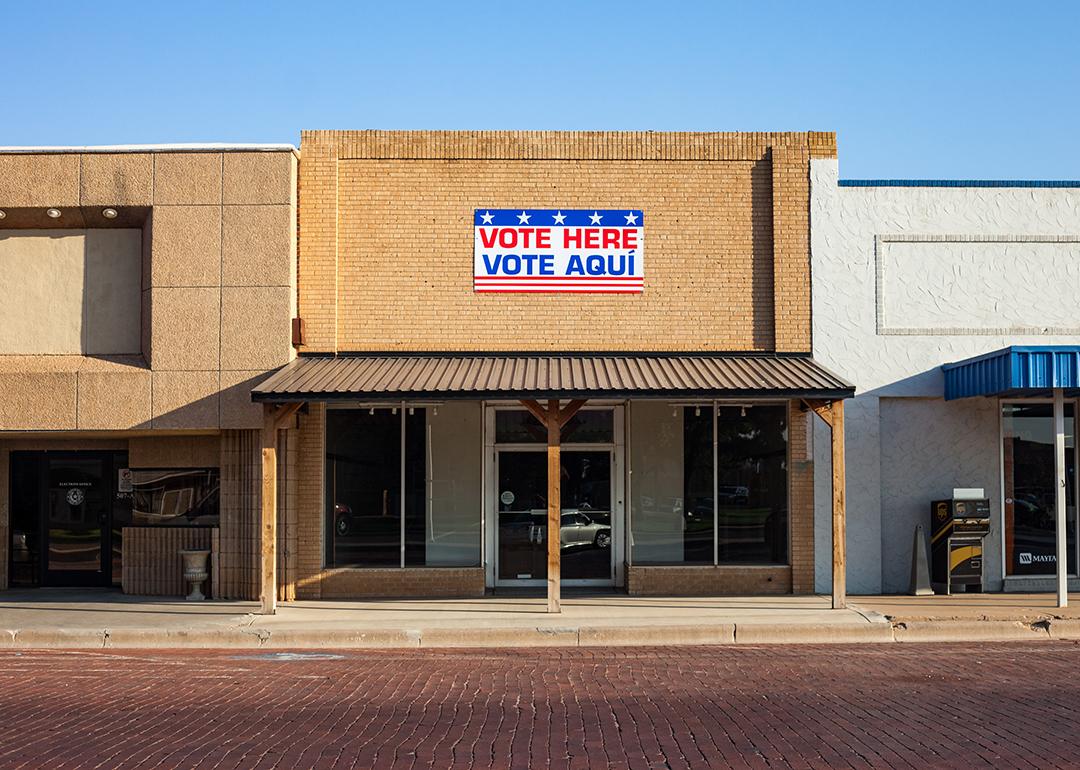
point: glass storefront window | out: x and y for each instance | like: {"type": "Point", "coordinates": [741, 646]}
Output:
{"type": "Point", "coordinates": [658, 521]}
{"type": "Point", "coordinates": [698, 486]}
{"type": "Point", "coordinates": [175, 497]}
{"type": "Point", "coordinates": [588, 426]}
{"type": "Point", "coordinates": [674, 516]}
{"type": "Point", "coordinates": [752, 486]}
{"type": "Point", "coordinates": [451, 532]}
{"type": "Point", "coordinates": [1030, 488]}
{"type": "Point", "coordinates": [441, 484]}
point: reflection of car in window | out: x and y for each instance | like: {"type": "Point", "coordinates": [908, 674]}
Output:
{"type": "Point", "coordinates": [578, 530]}
{"type": "Point", "coordinates": [733, 495]}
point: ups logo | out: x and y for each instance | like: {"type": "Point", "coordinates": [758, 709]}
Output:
{"type": "Point", "coordinates": [942, 511]}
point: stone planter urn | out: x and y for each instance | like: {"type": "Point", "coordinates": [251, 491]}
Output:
{"type": "Point", "coordinates": [196, 571]}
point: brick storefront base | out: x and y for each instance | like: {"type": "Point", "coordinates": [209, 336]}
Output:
{"type": "Point", "coordinates": [707, 580]}
{"type": "Point", "coordinates": [458, 582]}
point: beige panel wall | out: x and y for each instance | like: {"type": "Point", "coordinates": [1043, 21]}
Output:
{"type": "Point", "coordinates": [70, 292]}
{"type": "Point", "coordinates": [174, 452]}
{"type": "Point", "coordinates": [387, 249]}
{"type": "Point", "coordinates": [212, 310]}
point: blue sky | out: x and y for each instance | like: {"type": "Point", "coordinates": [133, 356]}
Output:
{"type": "Point", "coordinates": [914, 89]}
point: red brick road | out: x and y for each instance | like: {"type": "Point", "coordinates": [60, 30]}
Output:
{"type": "Point", "coordinates": [1005, 705]}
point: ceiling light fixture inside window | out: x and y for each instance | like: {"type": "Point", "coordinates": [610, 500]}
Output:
{"type": "Point", "coordinates": [108, 213]}
{"type": "Point", "coordinates": [53, 213]}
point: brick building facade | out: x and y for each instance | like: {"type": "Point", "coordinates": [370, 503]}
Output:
{"type": "Point", "coordinates": [386, 268]}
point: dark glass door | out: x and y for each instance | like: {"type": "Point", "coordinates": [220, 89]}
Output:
{"type": "Point", "coordinates": [68, 511]}
{"type": "Point", "coordinates": [585, 534]}
{"type": "Point", "coordinates": [1031, 489]}
{"type": "Point", "coordinates": [76, 520]}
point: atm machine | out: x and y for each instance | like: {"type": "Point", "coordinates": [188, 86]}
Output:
{"type": "Point", "coordinates": [957, 529]}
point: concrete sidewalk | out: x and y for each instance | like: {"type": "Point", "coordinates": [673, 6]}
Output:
{"type": "Point", "coordinates": [97, 618]}
{"type": "Point", "coordinates": [61, 618]}
{"type": "Point", "coordinates": [975, 617]}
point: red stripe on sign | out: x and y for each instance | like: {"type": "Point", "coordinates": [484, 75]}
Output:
{"type": "Point", "coordinates": [555, 289]}
{"type": "Point", "coordinates": [558, 278]}
{"type": "Point", "coordinates": [563, 285]}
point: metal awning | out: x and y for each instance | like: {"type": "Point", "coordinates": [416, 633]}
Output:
{"type": "Point", "coordinates": [1016, 371]}
{"type": "Point", "coordinates": [474, 376]}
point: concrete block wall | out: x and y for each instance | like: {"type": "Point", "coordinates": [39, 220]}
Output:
{"type": "Point", "coordinates": [218, 286]}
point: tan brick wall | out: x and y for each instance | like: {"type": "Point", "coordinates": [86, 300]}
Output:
{"type": "Point", "coordinates": [386, 239]}
{"type": "Point", "coordinates": [400, 583]}
{"type": "Point", "coordinates": [707, 581]}
{"type": "Point", "coordinates": [310, 468]}
{"type": "Point", "coordinates": [800, 502]}
{"type": "Point", "coordinates": [791, 247]}
{"type": "Point", "coordinates": [405, 256]}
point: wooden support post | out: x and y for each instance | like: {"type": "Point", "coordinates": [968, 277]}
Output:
{"type": "Point", "coordinates": [554, 418]}
{"type": "Point", "coordinates": [839, 510]}
{"type": "Point", "coordinates": [268, 515]}
{"type": "Point", "coordinates": [554, 501]}
{"type": "Point", "coordinates": [833, 415]}
{"type": "Point", "coordinates": [274, 418]}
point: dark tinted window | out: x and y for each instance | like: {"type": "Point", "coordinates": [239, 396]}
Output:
{"type": "Point", "coordinates": [588, 426]}
{"type": "Point", "coordinates": [363, 488]}
{"type": "Point", "coordinates": [698, 486]}
{"type": "Point", "coordinates": [175, 497]}
{"type": "Point", "coordinates": [752, 488]}
{"type": "Point", "coordinates": [1031, 489]}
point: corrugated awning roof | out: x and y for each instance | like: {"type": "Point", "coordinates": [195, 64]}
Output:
{"type": "Point", "coordinates": [1017, 371]}
{"type": "Point", "coordinates": [535, 375]}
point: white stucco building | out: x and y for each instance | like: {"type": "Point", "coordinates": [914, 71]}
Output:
{"type": "Point", "coordinates": [907, 277]}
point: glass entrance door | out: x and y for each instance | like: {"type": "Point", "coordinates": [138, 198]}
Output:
{"type": "Point", "coordinates": [77, 504]}
{"type": "Point", "coordinates": [585, 533]}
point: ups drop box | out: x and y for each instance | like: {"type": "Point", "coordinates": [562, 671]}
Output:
{"type": "Point", "coordinates": [957, 529]}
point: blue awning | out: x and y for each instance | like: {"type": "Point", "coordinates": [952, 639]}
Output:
{"type": "Point", "coordinates": [1016, 372]}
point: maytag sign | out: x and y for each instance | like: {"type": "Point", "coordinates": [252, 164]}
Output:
{"type": "Point", "coordinates": [559, 250]}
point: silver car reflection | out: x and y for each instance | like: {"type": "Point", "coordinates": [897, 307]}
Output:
{"type": "Point", "coordinates": [580, 531]}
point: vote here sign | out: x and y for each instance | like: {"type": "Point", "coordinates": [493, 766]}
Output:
{"type": "Point", "coordinates": [559, 250]}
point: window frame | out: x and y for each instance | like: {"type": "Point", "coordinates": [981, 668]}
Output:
{"type": "Point", "coordinates": [1002, 402]}
{"type": "Point", "coordinates": [715, 405]}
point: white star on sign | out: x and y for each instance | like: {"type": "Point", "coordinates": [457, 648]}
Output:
{"type": "Point", "coordinates": [595, 218]}
{"type": "Point", "coordinates": [487, 217]}
{"type": "Point", "coordinates": [631, 219]}
{"type": "Point", "coordinates": [523, 218]}
{"type": "Point", "coordinates": [559, 218]}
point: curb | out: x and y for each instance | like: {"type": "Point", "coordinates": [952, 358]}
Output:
{"type": "Point", "coordinates": [652, 636]}
{"type": "Point", "coordinates": [540, 636]}
{"type": "Point", "coordinates": [772, 633]}
{"type": "Point", "coordinates": [969, 631]}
